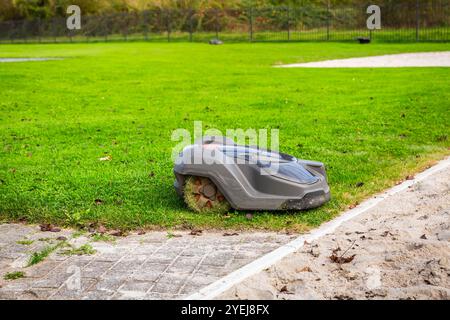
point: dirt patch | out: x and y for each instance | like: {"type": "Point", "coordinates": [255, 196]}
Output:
{"type": "Point", "coordinates": [399, 249]}
{"type": "Point", "coordinates": [429, 59]}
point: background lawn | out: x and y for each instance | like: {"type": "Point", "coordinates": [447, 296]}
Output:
{"type": "Point", "coordinates": [372, 127]}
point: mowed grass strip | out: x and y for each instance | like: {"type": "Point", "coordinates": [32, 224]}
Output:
{"type": "Point", "coordinates": [371, 127]}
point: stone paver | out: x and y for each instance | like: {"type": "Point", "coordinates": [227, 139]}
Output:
{"type": "Point", "coordinates": [150, 266]}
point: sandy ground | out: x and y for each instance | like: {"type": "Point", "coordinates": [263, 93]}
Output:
{"type": "Point", "coordinates": [429, 59]}
{"type": "Point", "coordinates": [401, 250]}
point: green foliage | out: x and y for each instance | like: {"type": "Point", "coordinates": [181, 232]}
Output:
{"type": "Point", "coordinates": [33, 8]}
{"type": "Point", "coordinates": [25, 242]}
{"type": "Point", "coordinates": [76, 218]}
{"type": "Point", "coordinates": [14, 275]}
{"type": "Point", "coordinates": [102, 237]}
{"type": "Point", "coordinates": [170, 235]}
{"type": "Point", "coordinates": [85, 249]}
{"type": "Point", "coordinates": [78, 234]}
{"type": "Point", "coordinates": [39, 256]}
{"type": "Point", "coordinates": [16, 9]}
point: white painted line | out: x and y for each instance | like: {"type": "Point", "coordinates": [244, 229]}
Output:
{"type": "Point", "coordinates": [213, 290]}
{"type": "Point", "coordinates": [5, 60]}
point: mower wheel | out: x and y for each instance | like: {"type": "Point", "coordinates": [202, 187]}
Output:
{"type": "Point", "coordinates": [202, 195]}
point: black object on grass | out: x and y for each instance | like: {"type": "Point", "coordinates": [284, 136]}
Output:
{"type": "Point", "coordinates": [363, 40]}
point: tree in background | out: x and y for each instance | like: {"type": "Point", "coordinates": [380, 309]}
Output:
{"type": "Point", "coordinates": [20, 9]}
{"type": "Point", "coordinates": [8, 10]}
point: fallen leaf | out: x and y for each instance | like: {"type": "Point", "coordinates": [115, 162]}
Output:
{"type": "Point", "coordinates": [47, 227]}
{"type": "Point", "coordinates": [285, 290]}
{"type": "Point", "coordinates": [61, 238]}
{"type": "Point", "coordinates": [107, 158]}
{"type": "Point", "coordinates": [116, 233]}
{"type": "Point", "coordinates": [226, 234]}
{"type": "Point", "coordinates": [410, 177]}
{"type": "Point", "coordinates": [101, 229]}
{"type": "Point", "coordinates": [140, 232]}
{"type": "Point", "coordinates": [196, 232]}
{"type": "Point", "coordinates": [336, 250]}
{"type": "Point", "coordinates": [342, 260]}
{"type": "Point", "coordinates": [386, 233]}
{"type": "Point", "coordinates": [304, 269]}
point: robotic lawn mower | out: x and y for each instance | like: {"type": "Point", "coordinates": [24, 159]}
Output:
{"type": "Point", "coordinates": [215, 174]}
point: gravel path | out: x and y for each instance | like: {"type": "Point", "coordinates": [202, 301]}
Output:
{"type": "Point", "coordinates": [400, 250]}
{"type": "Point", "coordinates": [4, 60]}
{"type": "Point", "coordinates": [428, 59]}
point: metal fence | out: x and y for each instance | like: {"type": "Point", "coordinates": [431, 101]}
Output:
{"type": "Point", "coordinates": [414, 21]}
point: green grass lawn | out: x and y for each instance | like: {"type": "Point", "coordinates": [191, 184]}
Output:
{"type": "Point", "coordinates": [372, 127]}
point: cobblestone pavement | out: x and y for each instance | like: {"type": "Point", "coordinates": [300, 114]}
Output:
{"type": "Point", "coordinates": [156, 265]}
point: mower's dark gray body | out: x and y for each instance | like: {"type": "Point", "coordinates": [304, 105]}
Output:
{"type": "Point", "coordinates": [252, 178]}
